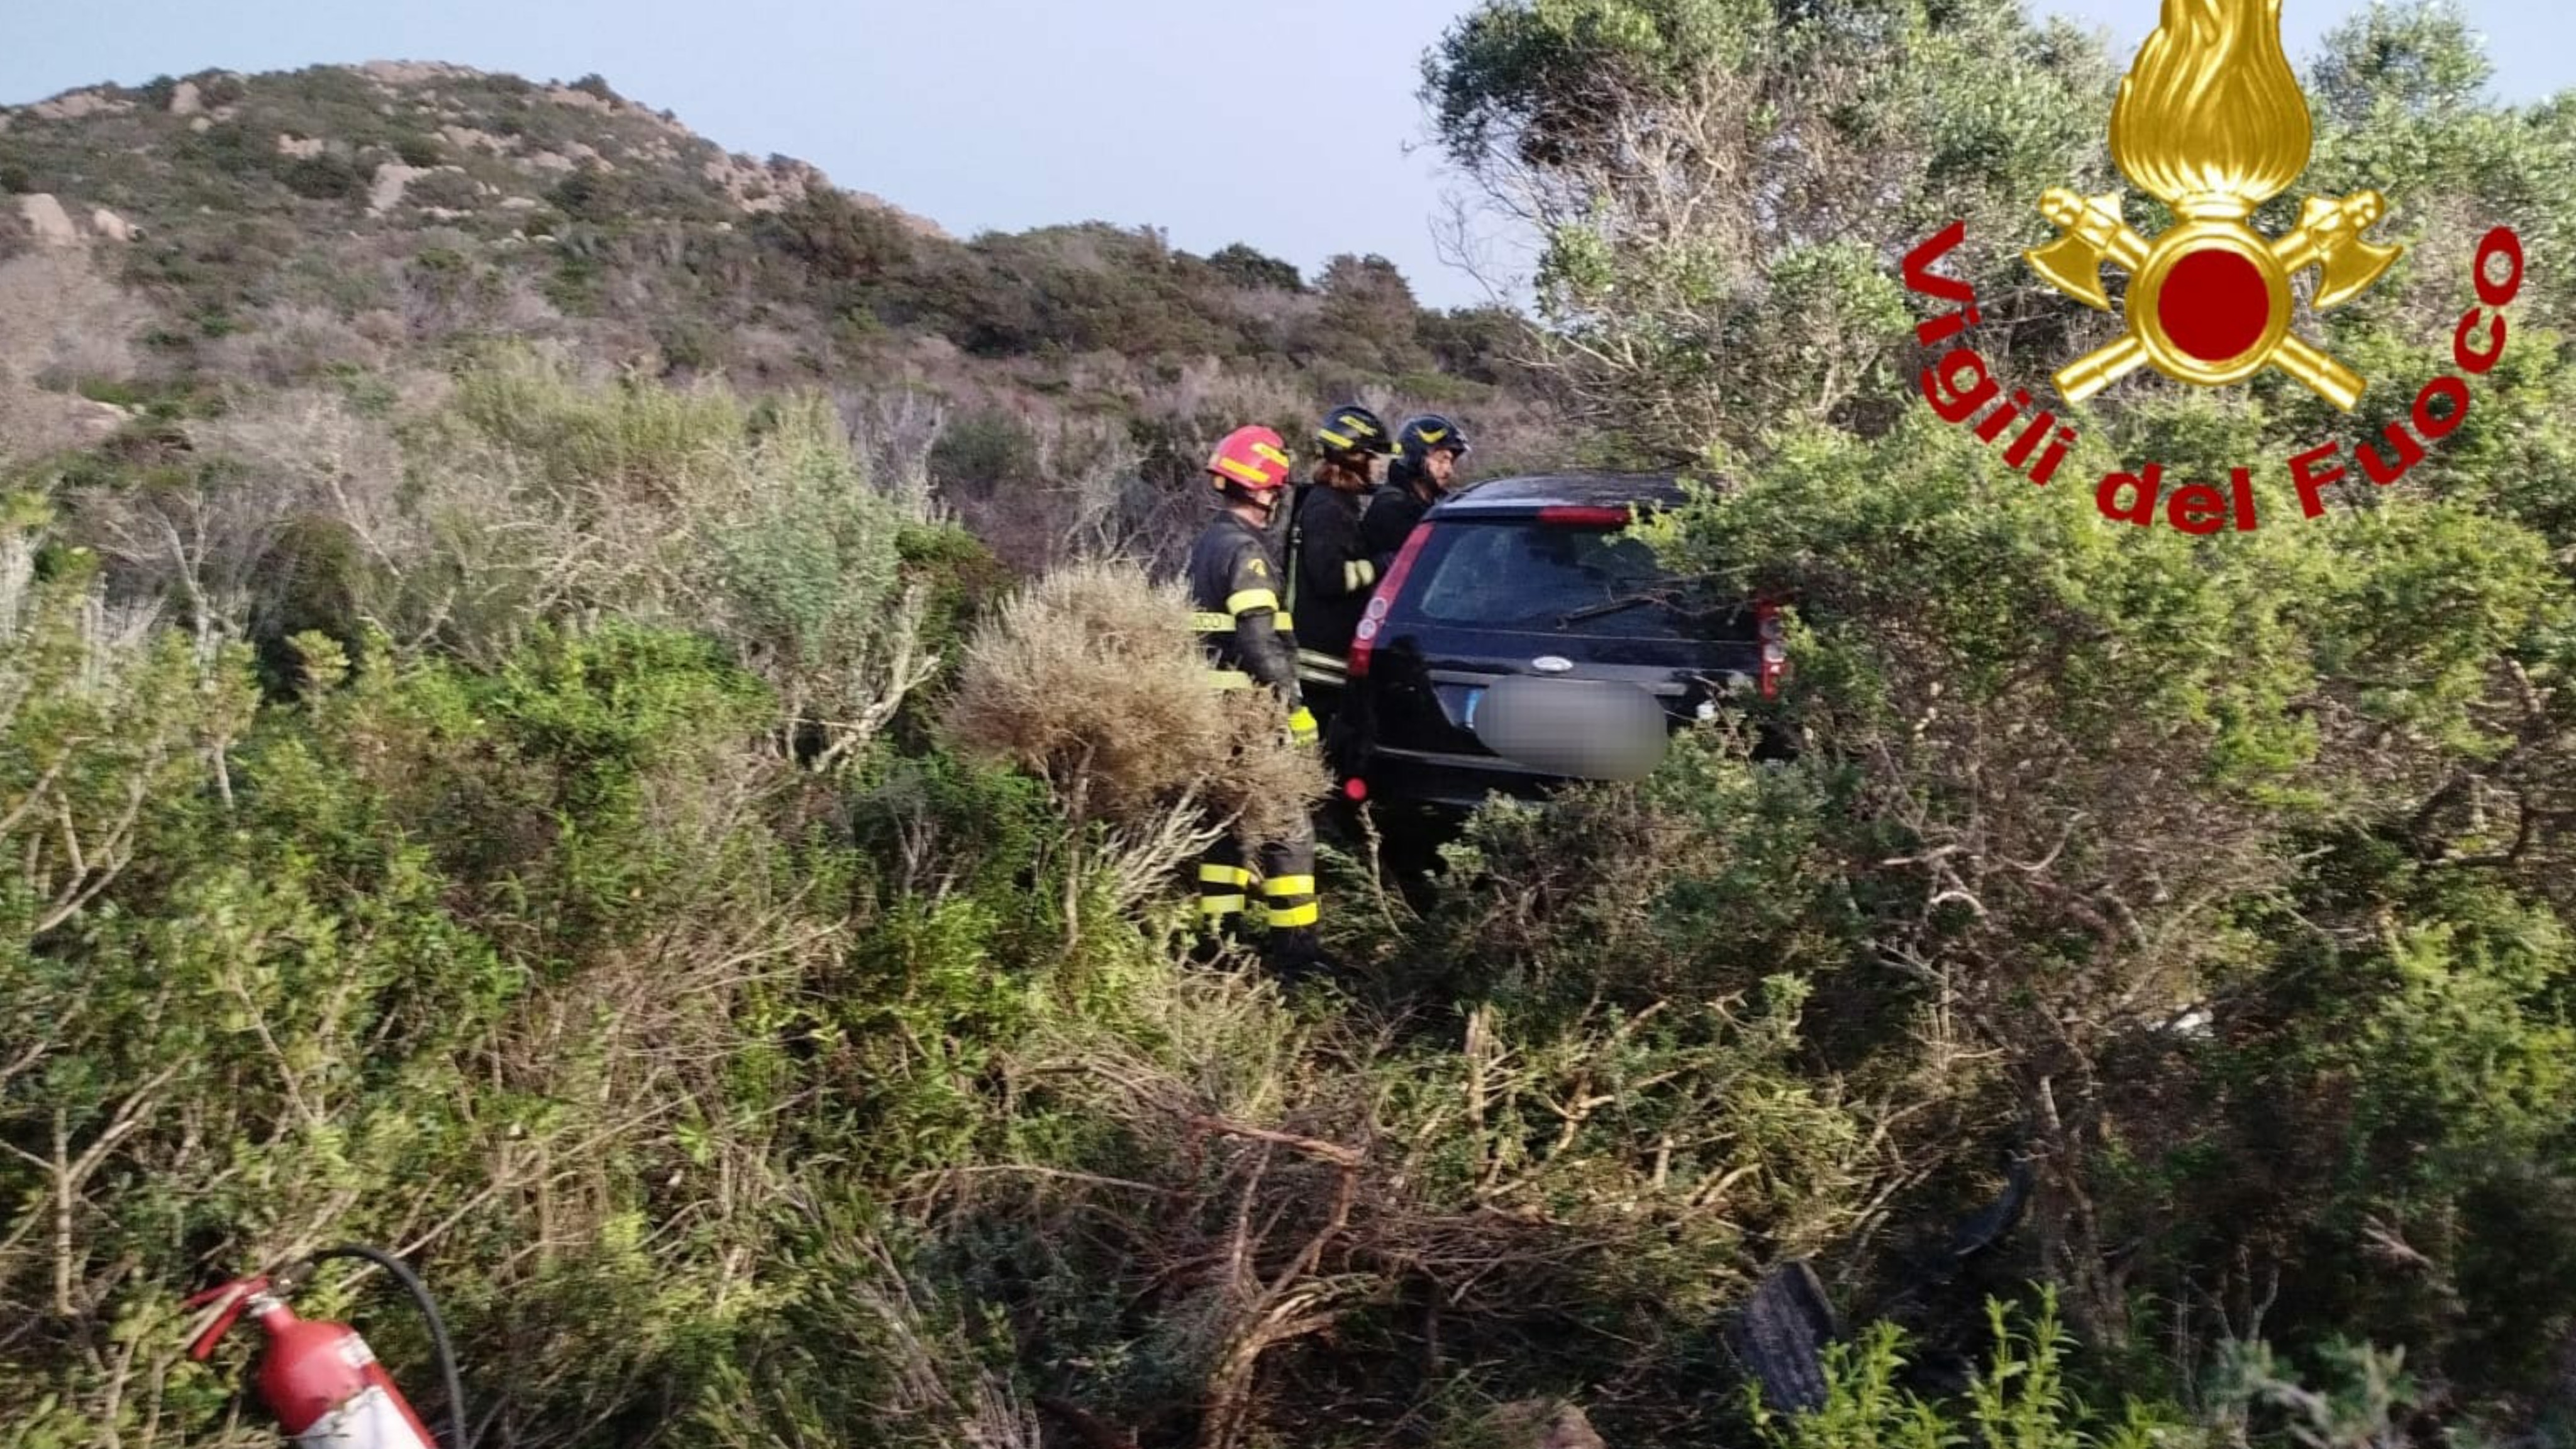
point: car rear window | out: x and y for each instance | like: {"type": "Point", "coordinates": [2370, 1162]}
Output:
{"type": "Point", "coordinates": [1527, 577]}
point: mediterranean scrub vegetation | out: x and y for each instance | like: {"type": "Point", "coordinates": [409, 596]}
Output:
{"type": "Point", "coordinates": [619, 840]}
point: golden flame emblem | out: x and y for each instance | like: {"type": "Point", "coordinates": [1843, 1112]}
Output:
{"type": "Point", "coordinates": [2211, 121]}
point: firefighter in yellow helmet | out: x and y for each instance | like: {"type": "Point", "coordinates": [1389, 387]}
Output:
{"type": "Point", "coordinates": [1251, 640]}
{"type": "Point", "coordinates": [1330, 574]}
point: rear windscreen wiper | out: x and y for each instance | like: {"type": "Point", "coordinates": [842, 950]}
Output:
{"type": "Point", "coordinates": [1612, 607]}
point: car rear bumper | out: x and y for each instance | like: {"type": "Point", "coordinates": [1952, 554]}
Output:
{"type": "Point", "coordinates": [1451, 782]}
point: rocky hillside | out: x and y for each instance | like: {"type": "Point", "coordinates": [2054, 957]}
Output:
{"type": "Point", "coordinates": [184, 241]}
{"type": "Point", "coordinates": [377, 131]}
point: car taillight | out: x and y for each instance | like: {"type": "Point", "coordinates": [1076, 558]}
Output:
{"type": "Point", "coordinates": [1382, 602]}
{"type": "Point", "coordinates": [1775, 647]}
{"type": "Point", "coordinates": [1570, 515]}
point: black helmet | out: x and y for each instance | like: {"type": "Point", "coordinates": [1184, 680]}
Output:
{"type": "Point", "coordinates": [1351, 428]}
{"type": "Point", "coordinates": [1427, 434]}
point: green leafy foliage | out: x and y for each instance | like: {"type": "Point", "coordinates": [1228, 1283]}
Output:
{"type": "Point", "coordinates": [2222, 876]}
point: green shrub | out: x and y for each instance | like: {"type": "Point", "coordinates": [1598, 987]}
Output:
{"type": "Point", "coordinates": [414, 922]}
{"type": "Point", "coordinates": [105, 390]}
{"type": "Point", "coordinates": [327, 177]}
{"type": "Point", "coordinates": [447, 190]}
{"type": "Point", "coordinates": [1246, 267]}
{"type": "Point", "coordinates": [313, 578]}
{"type": "Point", "coordinates": [840, 239]}
{"type": "Point", "coordinates": [592, 195]}
{"type": "Point", "coordinates": [690, 508]}
{"type": "Point", "coordinates": [577, 284]}
{"type": "Point", "coordinates": [688, 346]}
{"type": "Point", "coordinates": [983, 451]}
{"type": "Point", "coordinates": [2020, 1398]}
{"type": "Point", "coordinates": [960, 579]}
{"type": "Point", "coordinates": [218, 90]}
{"type": "Point", "coordinates": [229, 147]}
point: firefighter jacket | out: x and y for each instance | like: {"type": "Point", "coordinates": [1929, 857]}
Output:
{"type": "Point", "coordinates": [1330, 576]}
{"type": "Point", "coordinates": [1250, 638]}
{"type": "Point", "coordinates": [1389, 523]}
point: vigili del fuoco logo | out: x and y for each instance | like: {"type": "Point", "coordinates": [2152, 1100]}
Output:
{"type": "Point", "coordinates": [2210, 120]}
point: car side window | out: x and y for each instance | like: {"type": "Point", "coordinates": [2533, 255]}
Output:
{"type": "Point", "coordinates": [1475, 577]}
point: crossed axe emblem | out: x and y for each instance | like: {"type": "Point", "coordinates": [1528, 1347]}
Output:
{"type": "Point", "coordinates": [2209, 301]}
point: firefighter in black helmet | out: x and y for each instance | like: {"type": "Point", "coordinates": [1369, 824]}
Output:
{"type": "Point", "coordinates": [1426, 462]}
{"type": "Point", "coordinates": [1330, 575]}
{"type": "Point", "coordinates": [1251, 642]}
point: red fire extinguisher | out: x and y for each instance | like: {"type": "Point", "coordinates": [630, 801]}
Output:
{"type": "Point", "coordinates": [320, 1379]}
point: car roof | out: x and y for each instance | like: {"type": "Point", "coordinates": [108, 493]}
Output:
{"type": "Point", "coordinates": [1527, 494]}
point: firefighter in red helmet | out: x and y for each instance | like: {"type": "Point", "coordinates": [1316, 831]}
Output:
{"type": "Point", "coordinates": [1234, 581]}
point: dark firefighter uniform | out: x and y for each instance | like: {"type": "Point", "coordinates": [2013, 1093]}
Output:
{"type": "Point", "coordinates": [1330, 586]}
{"type": "Point", "coordinates": [1410, 490]}
{"type": "Point", "coordinates": [1251, 643]}
{"type": "Point", "coordinates": [1330, 574]}
{"type": "Point", "coordinates": [1390, 521]}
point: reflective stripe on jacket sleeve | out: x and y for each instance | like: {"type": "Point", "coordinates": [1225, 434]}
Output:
{"type": "Point", "coordinates": [1224, 623]}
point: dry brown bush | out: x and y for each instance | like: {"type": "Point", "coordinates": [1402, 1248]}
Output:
{"type": "Point", "coordinates": [1092, 680]}
{"type": "Point", "coordinates": [34, 422]}
{"type": "Point", "coordinates": [1102, 505]}
{"type": "Point", "coordinates": [893, 431]}
{"type": "Point", "coordinates": [62, 320]}
{"type": "Point", "coordinates": [295, 341]}
{"type": "Point", "coordinates": [208, 540]}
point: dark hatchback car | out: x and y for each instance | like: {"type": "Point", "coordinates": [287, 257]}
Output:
{"type": "Point", "coordinates": [1524, 579]}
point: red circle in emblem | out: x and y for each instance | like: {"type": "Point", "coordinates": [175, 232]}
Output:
{"type": "Point", "coordinates": [2214, 305]}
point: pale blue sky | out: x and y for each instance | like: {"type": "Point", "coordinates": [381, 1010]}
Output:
{"type": "Point", "coordinates": [1216, 119]}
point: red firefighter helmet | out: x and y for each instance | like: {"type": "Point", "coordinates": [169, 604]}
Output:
{"type": "Point", "coordinates": [1253, 459]}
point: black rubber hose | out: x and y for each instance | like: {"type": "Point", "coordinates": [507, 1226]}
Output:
{"type": "Point", "coordinates": [446, 1353]}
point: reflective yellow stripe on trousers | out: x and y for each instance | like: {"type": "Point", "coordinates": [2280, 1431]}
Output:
{"type": "Point", "coordinates": [1290, 900]}
{"type": "Point", "coordinates": [1221, 889]}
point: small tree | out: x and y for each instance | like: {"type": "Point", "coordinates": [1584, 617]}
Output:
{"type": "Point", "coordinates": [1246, 267]}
